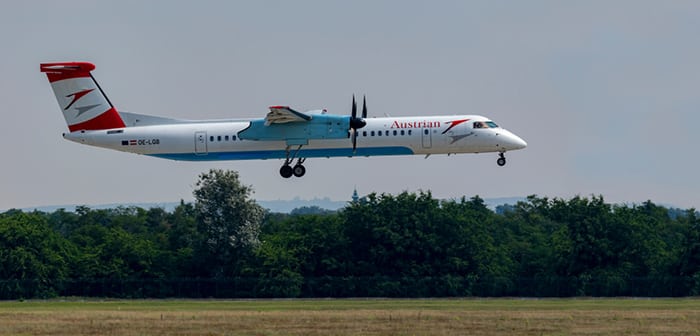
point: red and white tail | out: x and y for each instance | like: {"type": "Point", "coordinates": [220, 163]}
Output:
{"type": "Point", "coordinates": [84, 105]}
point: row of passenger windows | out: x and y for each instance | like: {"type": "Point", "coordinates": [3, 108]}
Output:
{"type": "Point", "coordinates": [478, 124]}
{"type": "Point", "coordinates": [387, 133]}
{"type": "Point", "coordinates": [488, 124]}
{"type": "Point", "coordinates": [364, 133]}
{"type": "Point", "coordinates": [221, 138]}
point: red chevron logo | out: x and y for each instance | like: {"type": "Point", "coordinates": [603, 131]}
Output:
{"type": "Point", "coordinates": [77, 96]}
{"type": "Point", "coordinates": [453, 124]}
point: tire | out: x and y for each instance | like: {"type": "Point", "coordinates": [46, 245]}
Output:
{"type": "Point", "coordinates": [299, 170]}
{"type": "Point", "coordinates": [286, 171]}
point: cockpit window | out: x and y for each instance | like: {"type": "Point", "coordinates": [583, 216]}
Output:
{"type": "Point", "coordinates": [485, 124]}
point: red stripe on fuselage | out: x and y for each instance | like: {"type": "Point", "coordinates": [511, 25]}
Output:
{"type": "Point", "coordinates": [107, 120]}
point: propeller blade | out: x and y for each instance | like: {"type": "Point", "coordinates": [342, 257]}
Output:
{"type": "Point", "coordinates": [364, 107]}
{"type": "Point", "coordinates": [354, 107]}
{"type": "Point", "coordinates": [354, 141]}
{"type": "Point", "coordinates": [356, 122]}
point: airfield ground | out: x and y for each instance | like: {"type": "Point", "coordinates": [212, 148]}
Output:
{"type": "Point", "coordinates": [352, 317]}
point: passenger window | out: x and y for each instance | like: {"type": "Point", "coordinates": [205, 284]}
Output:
{"type": "Point", "coordinates": [395, 132]}
{"type": "Point", "coordinates": [233, 137]}
{"type": "Point", "coordinates": [426, 132]}
{"type": "Point", "coordinates": [409, 132]}
{"type": "Point", "coordinates": [372, 133]}
{"type": "Point", "coordinates": [402, 132]}
{"type": "Point", "coordinates": [364, 133]}
{"type": "Point", "coordinates": [379, 133]}
{"type": "Point", "coordinates": [226, 138]}
{"type": "Point", "coordinates": [211, 138]}
{"type": "Point", "coordinates": [218, 138]}
{"type": "Point", "coordinates": [386, 133]}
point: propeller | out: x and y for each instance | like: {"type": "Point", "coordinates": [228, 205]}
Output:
{"type": "Point", "coordinates": [355, 122]}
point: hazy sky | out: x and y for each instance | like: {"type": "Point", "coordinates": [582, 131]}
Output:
{"type": "Point", "coordinates": [606, 93]}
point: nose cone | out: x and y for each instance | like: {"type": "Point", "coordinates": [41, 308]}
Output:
{"type": "Point", "coordinates": [513, 142]}
{"type": "Point", "coordinates": [518, 143]}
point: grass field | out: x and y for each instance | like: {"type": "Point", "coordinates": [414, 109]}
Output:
{"type": "Point", "coordinates": [353, 317]}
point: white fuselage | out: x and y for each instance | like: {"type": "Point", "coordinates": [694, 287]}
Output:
{"type": "Point", "coordinates": [220, 140]}
{"type": "Point", "coordinates": [283, 133]}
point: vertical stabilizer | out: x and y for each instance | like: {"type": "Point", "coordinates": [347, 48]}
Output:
{"type": "Point", "coordinates": [82, 101]}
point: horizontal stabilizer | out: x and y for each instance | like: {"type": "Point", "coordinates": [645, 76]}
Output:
{"type": "Point", "coordinates": [134, 119]}
{"type": "Point", "coordinates": [66, 70]}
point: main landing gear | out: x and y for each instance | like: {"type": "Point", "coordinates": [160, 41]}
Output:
{"type": "Point", "coordinates": [501, 160]}
{"type": "Point", "coordinates": [298, 170]}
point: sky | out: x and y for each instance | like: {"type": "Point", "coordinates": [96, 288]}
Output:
{"type": "Point", "coordinates": [604, 92]}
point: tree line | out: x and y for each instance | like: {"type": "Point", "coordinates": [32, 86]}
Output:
{"type": "Point", "coordinates": [406, 245]}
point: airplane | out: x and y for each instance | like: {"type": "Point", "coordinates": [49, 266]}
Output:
{"type": "Point", "coordinates": [284, 133]}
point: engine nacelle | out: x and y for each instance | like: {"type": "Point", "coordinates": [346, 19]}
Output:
{"type": "Point", "coordinates": [321, 126]}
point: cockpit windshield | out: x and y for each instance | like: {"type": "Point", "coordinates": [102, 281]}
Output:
{"type": "Point", "coordinates": [485, 124]}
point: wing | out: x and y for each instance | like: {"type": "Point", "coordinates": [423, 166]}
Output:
{"type": "Point", "coordinates": [284, 114]}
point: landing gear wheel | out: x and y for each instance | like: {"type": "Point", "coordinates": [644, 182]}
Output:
{"type": "Point", "coordinates": [286, 171]}
{"type": "Point", "coordinates": [501, 160]}
{"type": "Point", "coordinates": [299, 170]}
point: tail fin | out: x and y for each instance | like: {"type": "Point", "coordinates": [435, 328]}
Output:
{"type": "Point", "coordinates": [84, 104]}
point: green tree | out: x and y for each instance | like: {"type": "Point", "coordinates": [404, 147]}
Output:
{"type": "Point", "coordinates": [689, 256]}
{"type": "Point", "coordinates": [591, 231]}
{"type": "Point", "coordinates": [312, 245]}
{"type": "Point", "coordinates": [394, 235]}
{"type": "Point", "coordinates": [310, 210]}
{"type": "Point", "coordinates": [184, 241]}
{"type": "Point", "coordinates": [114, 253]}
{"type": "Point", "coordinates": [536, 243]}
{"type": "Point", "coordinates": [228, 218]}
{"type": "Point", "coordinates": [34, 259]}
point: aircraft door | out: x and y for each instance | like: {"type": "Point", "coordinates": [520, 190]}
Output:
{"type": "Point", "coordinates": [200, 143]}
{"type": "Point", "coordinates": [427, 138]}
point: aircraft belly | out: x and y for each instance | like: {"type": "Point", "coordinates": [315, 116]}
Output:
{"type": "Point", "coordinates": [280, 154]}
{"type": "Point", "coordinates": [257, 151]}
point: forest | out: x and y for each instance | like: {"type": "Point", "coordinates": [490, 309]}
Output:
{"type": "Point", "coordinates": [224, 245]}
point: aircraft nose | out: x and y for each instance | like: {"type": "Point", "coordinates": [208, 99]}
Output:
{"type": "Point", "coordinates": [518, 142]}
{"type": "Point", "coordinates": [514, 142]}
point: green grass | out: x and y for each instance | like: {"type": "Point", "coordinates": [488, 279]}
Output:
{"type": "Point", "coordinates": [585, 316]}
{"type": "Point", "coordinates": [508, 304]}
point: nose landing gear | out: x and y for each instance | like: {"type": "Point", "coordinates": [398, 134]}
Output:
{"type": "Point", "coordinates": [501, 160]}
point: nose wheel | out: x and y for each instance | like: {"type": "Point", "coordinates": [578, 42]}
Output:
{"type": "Point", "coordinates": [501, 160]}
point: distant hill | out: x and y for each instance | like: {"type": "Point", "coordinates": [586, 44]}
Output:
{"type": "Point", "coordinates": [280, 206]}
